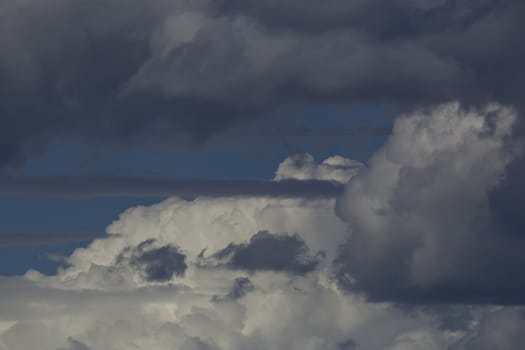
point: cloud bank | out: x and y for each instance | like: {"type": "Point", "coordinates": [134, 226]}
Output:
{"type": "Point", "coordinates": [421, 218]}
{"type": "Point", "coordinates": [179, 73]}
{"type": "Point", "coordinates": [304, 167]}
{"type": "Point", "coordinates": [106, 299]}
{"type": "Point", "coordinates": [410, 257]}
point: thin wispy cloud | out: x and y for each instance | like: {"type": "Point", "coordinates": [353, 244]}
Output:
{"type": "Point", "coordinates": [21, 239]}
{"type": "Point", "coordinates": [86, 187]}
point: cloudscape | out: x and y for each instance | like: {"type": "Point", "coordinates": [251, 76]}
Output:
{"type": "Point", "coordinates": [245, 175]}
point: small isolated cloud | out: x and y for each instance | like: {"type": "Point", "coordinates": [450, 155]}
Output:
{"type": "Point", "coordinates": [269, 252]}
{"type": "Point", "coordinates": [304, 167]}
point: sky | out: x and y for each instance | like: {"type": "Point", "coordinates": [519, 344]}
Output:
{"type": "Point", "coordinates": [234, 175]}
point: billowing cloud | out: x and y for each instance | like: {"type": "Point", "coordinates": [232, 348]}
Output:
{"type": "Point", "coordinates": [204, 226]}
{"type": "Point", "coordinates": [103, 301]}
{"type": "Point", "coordinates": [145, 286]}
{"type": "Point", "coordinates": [178, 73]}
{"type": "Point", "coordinates": [420, 216]}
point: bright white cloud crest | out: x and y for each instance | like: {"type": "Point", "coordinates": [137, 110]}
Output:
{"type": "Point", "coordinates": [151, 286]}
{"type": "Point", "coordinates": [304, 167]}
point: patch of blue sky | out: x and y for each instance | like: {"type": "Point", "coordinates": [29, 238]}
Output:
{"type": "Point", "coordinates": [351, 131]}
{"type": "Point", "coordinates": [322, 130]}
{"type": "Point", "coordinates": [21, 216]}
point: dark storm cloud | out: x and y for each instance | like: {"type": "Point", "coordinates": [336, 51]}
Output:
{"type": "Point", "coordinates": [270, 252]}
{"type": "Point", "coordinates": [163, 187]}
{"type": "Point", "coordinates": [157, 264]}
{"type": "Point", "coordinates": [178, 72]}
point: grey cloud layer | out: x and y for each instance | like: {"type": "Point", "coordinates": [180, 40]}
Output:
{"type": "Point", "coordinates": [175, 72]}
{"type": "Point", "coordinates": [162, 187]}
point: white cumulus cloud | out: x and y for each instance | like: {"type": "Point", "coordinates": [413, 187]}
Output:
{"type": "Point", "coordinates": [420, 218]}
{"type": "Point", "coordinates": [304, 167]}
{"type": "Point", "coordinates": [254, 272]}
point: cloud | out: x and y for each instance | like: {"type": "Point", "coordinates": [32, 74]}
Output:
{"type": "Point", "coordinates": [297, 176]}
{"type": "Point", "coordinates": [241, 286]}
{"type": "Point", "coordinates": [269, 252]}
{"type": "Point", "coordinates": [348, 345]}
{"type": "Point", "coordinates": [104, 299]}
{"type": "Point", "coordinates": [211, 224]}
{"type": "Point", "coordinates": [164, 187]}
{"type": "Point", "coordinates": [304, 167]}
{"type": "Point", "coordinates": [422, 229]}
{"type": "Point", "coordinates": [502, 329]}
{"type": "Point", "coordinates": [75, 345]}
{"type": "Point", "coordinates": [102, 302]}
{"type": "Point", "coordinates": [156, 264]}
{"type": "Point", "coordinates": [175, 73]}
{"type": "Point", "coordinates": [417, 339]}
{"type": "Point", "coordinates": [145, 287]}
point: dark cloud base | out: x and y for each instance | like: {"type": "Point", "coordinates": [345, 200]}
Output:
{"type": "Point", "coordinates": [118, 72]}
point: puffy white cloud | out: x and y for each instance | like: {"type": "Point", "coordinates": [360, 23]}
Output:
{"type": "Point", "coordinates": [212, 273]}
{"type": "Point", "coordinates": [103, 300]}
{"type": "Point", "coordinates": [421, 225]}
{"type": "Point", "coordinates": [209, 225]}
{"type": "Point", "coordinates": [304, 167]}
